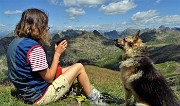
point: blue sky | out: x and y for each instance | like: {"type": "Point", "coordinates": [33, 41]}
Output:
{"type": "Point", "coordinates": [95, 14]}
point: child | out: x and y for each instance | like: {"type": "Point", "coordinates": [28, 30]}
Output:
{"type": "Point", "coordinates": [28, 69]}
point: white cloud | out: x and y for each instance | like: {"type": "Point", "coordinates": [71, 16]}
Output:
{"type": "Point", "coordinates": [173, 19]}
{"type": "Point", "coordinates": [53, 2]}
{"type": "Point", "coordinates": [145, 16]}
{"type": "Point", "coordinates": [6, 28]}
{"type": "Point", "coordinates": [118, 7]}
{"type": "Point", "coordinates": [103, 27]}
{"type": "Point", "coordinates": [82, 2]}
{"type": "Point", "coordinates": [8, 12]}
{"type": "Point", "coordinates": [74, 12]}
{"type": "Point", "coordinates": [157, 1]}
{"type": "Point", "coordinates": [2, 25]}
{"type": "Point", "coordinates": [152, 18]}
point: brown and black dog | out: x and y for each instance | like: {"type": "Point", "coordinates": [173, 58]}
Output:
{"type": "Point", "coordinates": [139, 76]}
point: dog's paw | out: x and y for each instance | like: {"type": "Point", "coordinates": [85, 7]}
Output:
{"type": "Point", "coordinates": [135, 76]}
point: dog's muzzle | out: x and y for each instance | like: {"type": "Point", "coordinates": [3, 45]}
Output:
{"type": "Point", "coordinates": [118, 44]}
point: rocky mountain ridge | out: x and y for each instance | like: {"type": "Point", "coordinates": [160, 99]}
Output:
{"type": "Point", "coordinates": [94, 47]}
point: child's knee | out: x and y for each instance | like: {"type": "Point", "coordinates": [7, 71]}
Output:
{"type": "Point", "coordinates": [80, 65]}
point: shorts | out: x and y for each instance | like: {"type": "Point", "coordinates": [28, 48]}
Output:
{"type": "Point", "coordinates": [55, 91]}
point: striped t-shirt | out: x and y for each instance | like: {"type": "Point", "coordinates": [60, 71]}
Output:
{"type": "Point", "coordinates": [37, 59]}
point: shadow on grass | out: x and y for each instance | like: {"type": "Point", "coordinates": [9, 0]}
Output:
{"type": "Point", "coordinates": [112, 100]}
{"type": "Point", "coordinates": [5, 82]}
{"type": "Point", "coordinates": [17, 96]}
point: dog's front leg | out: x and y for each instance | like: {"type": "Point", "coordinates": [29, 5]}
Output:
{"type": "Point", "coordinates": [128, 95]}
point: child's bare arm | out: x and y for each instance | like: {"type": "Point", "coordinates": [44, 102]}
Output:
{"type": "Point", "coordinates": [49, 73]}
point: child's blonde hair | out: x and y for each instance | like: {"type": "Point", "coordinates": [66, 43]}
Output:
{"type": "Point", "coordinates": [33, 24]}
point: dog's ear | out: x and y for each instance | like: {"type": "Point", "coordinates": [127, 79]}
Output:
{"type": "Point", "coordinates": [136, 36]}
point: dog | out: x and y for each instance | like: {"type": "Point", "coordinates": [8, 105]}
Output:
{"type": "Point", "coordinates": [139, 76]}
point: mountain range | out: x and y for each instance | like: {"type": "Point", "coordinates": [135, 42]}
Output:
{"type": "Point", "coordinates": [98, 48]}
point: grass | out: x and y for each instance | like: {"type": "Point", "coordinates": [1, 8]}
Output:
{"type": "Point", "coordinates": [7, 99]}
{"type": "Point", "coordinates": [110, 62]}
{"type": "Point", "coordinates": [168, 68]}
{"type": "Point", "coordinates": [105, 80]}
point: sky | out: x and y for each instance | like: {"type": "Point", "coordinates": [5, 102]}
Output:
{"type": "Point", "coordinates": [104, 15]}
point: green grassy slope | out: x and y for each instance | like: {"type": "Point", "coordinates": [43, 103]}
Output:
{"type": "Point", "coordinates": [105, 80]}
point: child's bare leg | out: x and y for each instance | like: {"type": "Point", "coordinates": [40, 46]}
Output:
{"type": "Point", "coordinates": [77, 71]}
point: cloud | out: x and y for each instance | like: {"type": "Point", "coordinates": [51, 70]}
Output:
{"type": "Point", "coordinates": [6, 28]}
{"type": "Point", "coordinates": [173, 19]}
{"type": "Point", "coordinates": [53, 2]}
{"type": "Point", "coordinates": [145, 16]}
{"type": "Point", "coordinates": [104, 27]}
{"type": "Point", "coordinates": [118, 7]}
{"type": "Point", "coordinates": [82, 2]}
{"type": "Point", "coordinates": [74, 12]}
{"type": "Point", "coordinates": [2, 25]}
{"type": "Point", "coordinates": [101, 27]}
{"type": "Point", "coordinates": [157, 1]}
{"type": "Point", "coordinates": [152, 18]}
{"type": "Point", "coordinates": [8, 12]}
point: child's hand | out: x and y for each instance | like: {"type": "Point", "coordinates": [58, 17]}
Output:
{"type": "Point", "coordinates": [61, 47]}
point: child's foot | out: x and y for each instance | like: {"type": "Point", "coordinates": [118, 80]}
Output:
{"type": "Point", "coordinates": [96, 98]}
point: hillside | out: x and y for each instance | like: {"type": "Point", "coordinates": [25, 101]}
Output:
{"type": "Point", "coordinates": [87, 48]}
{"type": "Point", "coordinates": [95, 49]}
{"type": "Point", "coordinates": [163, 44]}
{"type": "Point", "coordinates": [4, 42]}
{"type": "Point", "coordinates": [105, 80]}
